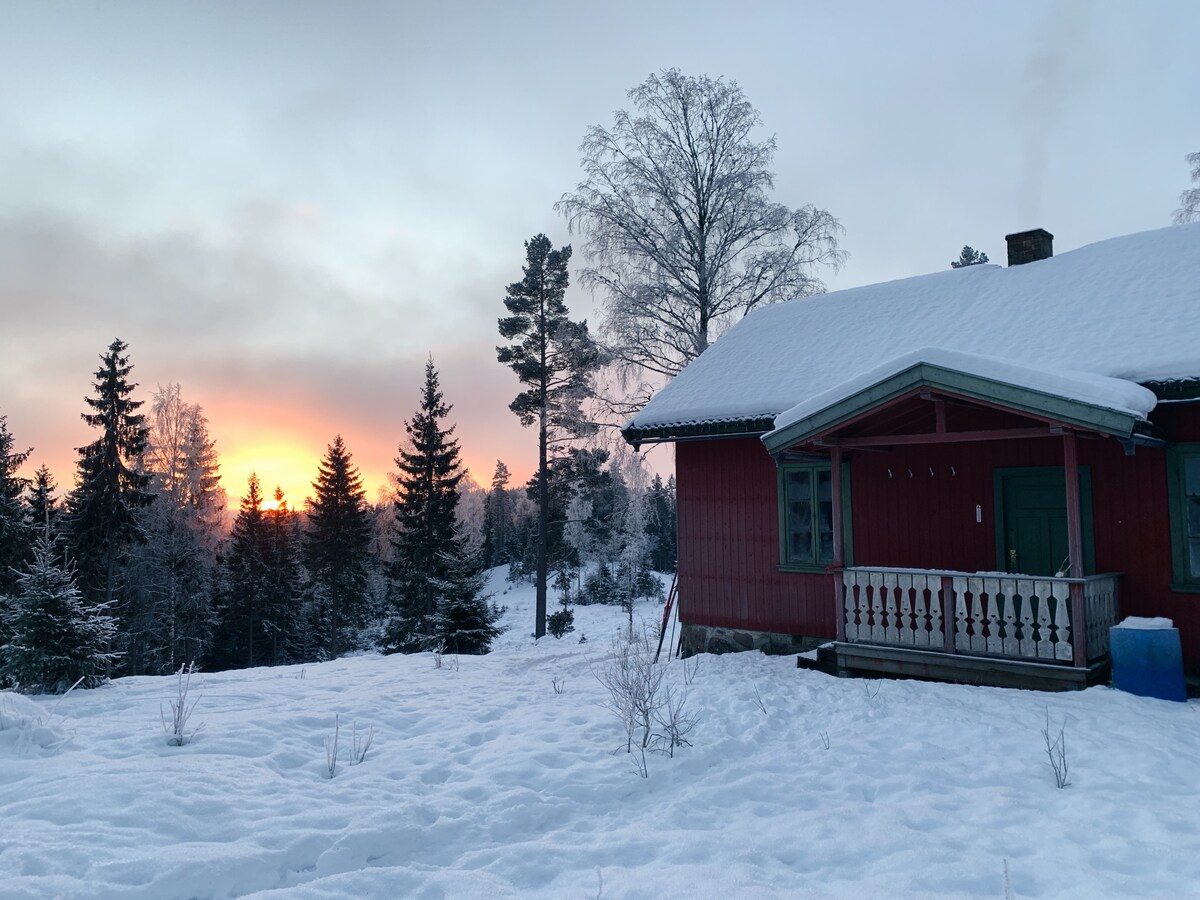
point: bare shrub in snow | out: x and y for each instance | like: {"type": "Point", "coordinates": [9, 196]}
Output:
{"type": "Point", "coordinates": [825, 739]}
{"type": "Point", "coordinates": [181, 709]}
{"type": "Point", "coordinates": [1056, 752]}
{"type": "Point", "coordinates": [674, 722]}
{"type": "Point", "coordinates": [652, 712]}
{"type": "Point", "coordinates": [691, 667]}
{"type": "Point", "coordinates": [559, 684]}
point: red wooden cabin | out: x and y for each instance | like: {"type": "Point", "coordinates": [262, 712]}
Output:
{"type": "Point", "coordinates": [967, 475]}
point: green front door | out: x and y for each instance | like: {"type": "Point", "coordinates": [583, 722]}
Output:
{"type": "Point", "coordinates": [1031, 532]}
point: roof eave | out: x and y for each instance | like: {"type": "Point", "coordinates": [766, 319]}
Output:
{"type": "Point", "coordinates": [672, 433]}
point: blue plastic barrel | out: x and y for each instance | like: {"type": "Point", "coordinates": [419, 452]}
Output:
{"type": "Point", "coordinates": [1147, 658]}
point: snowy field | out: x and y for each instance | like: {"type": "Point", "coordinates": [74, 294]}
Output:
{"type": "Point", "coordinates": [482, 781]}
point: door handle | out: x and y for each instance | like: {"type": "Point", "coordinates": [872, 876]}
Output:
{"type": "Point", "coordinates": [1012, 559]}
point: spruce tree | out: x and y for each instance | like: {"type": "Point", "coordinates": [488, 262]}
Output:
{"type": "Point", "coordinates": [660, 524]}
{"type": "Point", "coordinates": [281, 595]}
{"type": "Point", "coordinates": [497, 519]}
{"type": "Point", "coordinates": [436, 583]}
{"type": "Point", "coordinates": [238, 611]}
{"type": "Point", "coordinates": [337, 550]}
{"type": "Point", "coordinates": [15, 537]}
{"type": "Point", "coordinates": [554, 358]}
{"type": "Point", "coordinates": [109, 488]}
{"type": "Point", "coordinates": [41, 510]}
{"type": "Point", "coordinates": [53, 637]}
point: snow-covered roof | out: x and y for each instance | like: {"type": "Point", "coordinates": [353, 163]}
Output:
{"type": "Point", "coordinates": [1126, 309]}
{"type": "Point", "coordinates": [1129, 400]}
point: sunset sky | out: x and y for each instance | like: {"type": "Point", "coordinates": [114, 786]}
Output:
{"type": "Point", "coordinates": [286, 207]}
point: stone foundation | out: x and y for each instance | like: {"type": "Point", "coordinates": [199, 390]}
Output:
{"type": "Point", "coordinates": [710, 639]}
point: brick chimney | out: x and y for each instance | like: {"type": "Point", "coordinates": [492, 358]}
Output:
{"type": "Point", "coordinates": [1029, 246]}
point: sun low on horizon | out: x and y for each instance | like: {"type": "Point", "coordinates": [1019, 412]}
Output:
{"type": "Point", "coordinates": [291, 467]}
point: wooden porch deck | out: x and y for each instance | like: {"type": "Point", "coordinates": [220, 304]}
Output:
{"type": "Point", "coordinates": [981, 628]}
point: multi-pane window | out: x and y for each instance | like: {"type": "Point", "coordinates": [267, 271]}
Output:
{"type": "Point", "coordinates": [806, 514]}
{"type": "Point", "coordinates": [1184, 476]}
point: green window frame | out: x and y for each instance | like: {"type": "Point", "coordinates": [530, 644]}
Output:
{"type": "Point", "coordinates": [1183, 491]}
{"type": "Point", "coordinates": [806, 515]}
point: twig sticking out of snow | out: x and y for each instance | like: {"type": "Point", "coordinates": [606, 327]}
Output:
{"type": "Point", "coordinates": [331, 748]}
{"type": "Point", "coordinates": [1056, 751]}
{"type": "Point", "coordinates": [758, 701]}
{"type": "Point", "coordinates": [361, 746]}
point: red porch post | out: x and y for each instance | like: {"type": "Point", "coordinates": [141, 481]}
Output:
{"type": "Point", "coordinates": [835, 474]}
{"type": "Point", "coordinates": [1075, 547]}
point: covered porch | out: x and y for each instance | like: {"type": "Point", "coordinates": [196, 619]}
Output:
{"type": "Point", "coordinates": [1035, 612]}
{"type": "Point", "coordinates": [1003, 629]}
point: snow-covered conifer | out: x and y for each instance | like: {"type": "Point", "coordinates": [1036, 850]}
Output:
{"type": "Point", "coordinates": [53, 636]}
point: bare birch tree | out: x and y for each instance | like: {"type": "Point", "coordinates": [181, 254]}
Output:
{"type": "Point", "coordinates": [681, 234]}
{"type": "Point", "coordinates": [1189, 200]}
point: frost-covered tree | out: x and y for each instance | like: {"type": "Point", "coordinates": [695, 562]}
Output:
{"type": "Point", "coordinates": [110, 489]}
{"type": "Point", "coordinates": [969, 256]}
{"type": "Point", "coordinates": [682, 235]}
{"type": "Point", "coordinates": [436, 579]}
{"type": "Point", "coordinates": [53, 636]}
{"type": "Point", "coordinates": [337, 550]}
{"type": "Point", "coordinates": [555, 359]}
{"type": "Point", "coordinates": [1189, 200]}
{"type": "Point", "coordinates": [471, 516]}
{"type": "Point", "coordinates": [15, 536]}
{"type": "Point", "coordinates": [634, 564]}
{"type": "Point", "coordinates": [175, 569]}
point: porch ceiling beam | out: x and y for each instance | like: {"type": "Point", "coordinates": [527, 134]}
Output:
{"type": "Point", "coordinates": [945, 437]}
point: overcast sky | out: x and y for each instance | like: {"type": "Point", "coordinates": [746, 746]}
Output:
{"type": "Point", "coordinates": [286, 207]}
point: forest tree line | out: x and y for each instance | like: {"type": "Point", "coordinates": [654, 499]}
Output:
{"type": "Point", "coordinates": [140, 568]}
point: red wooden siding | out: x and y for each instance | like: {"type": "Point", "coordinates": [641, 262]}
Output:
{"type": "Point", "coordinates": [729, 542]}
{"type": "Point", "coordinates": [729, 545]}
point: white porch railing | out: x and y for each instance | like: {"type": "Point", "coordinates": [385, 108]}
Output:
{"type": "Point", "coordinates": [1013, 616]}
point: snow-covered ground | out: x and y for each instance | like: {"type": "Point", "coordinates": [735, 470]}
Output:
{"type": "Point", "coordinates": [482, 781]}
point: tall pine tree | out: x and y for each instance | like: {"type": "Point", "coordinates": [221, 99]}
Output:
{"type": "Point", "coordinates": [554, 358]}
{"type": "Point", "coordinates": [109, 488]}
{"type": "Point", "coordinates": [436, 585]}
{"type": "Point", "coordinates": [337, 551]}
